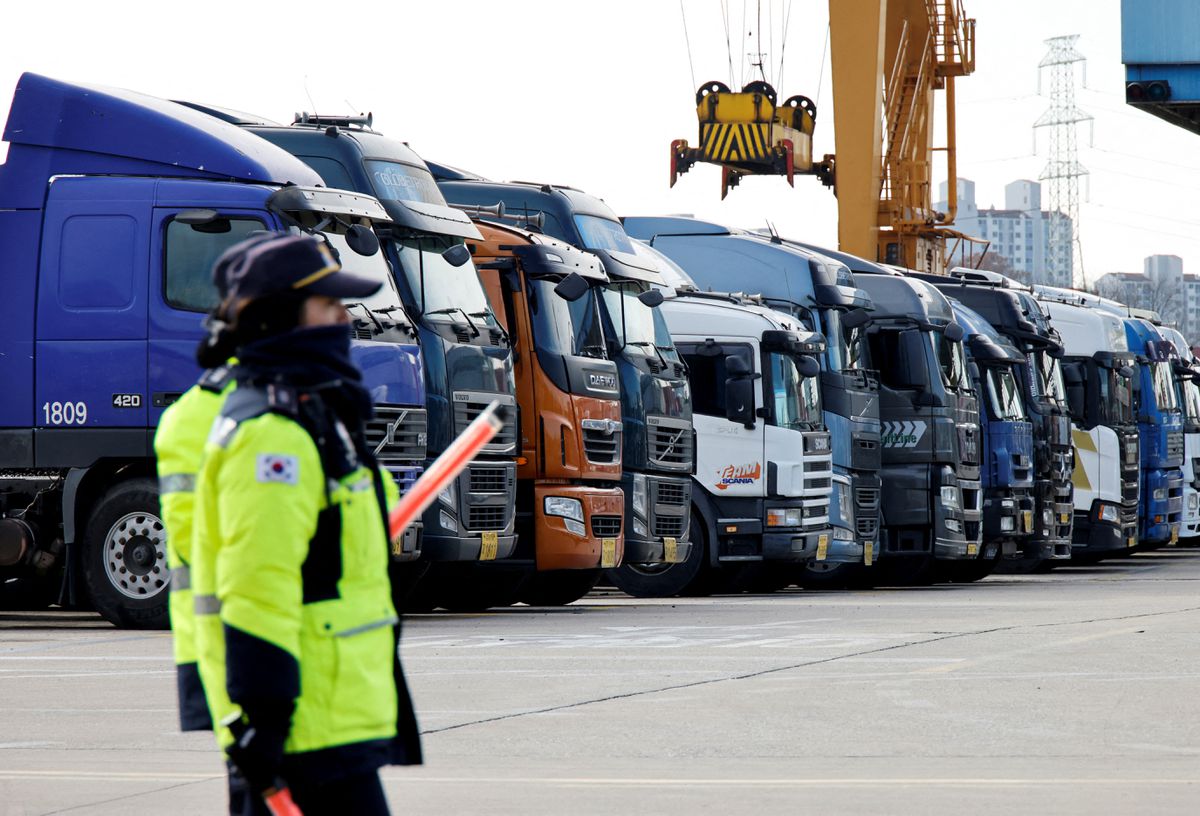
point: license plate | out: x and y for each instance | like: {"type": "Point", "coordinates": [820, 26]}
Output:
{"type": "Point", "coordinates": [868, 553]}
{"type": "Point", "coordinates": [972, 549]}
{"type": "Point", "coordinates": [489, 546]}
{"type": "Point", "coordinates": [822, 547]}
{"type": "Point", "coordinates": [1063, 518]}
{"type": "Point", "coordinates": [1174, 537]}
{"type": "Point", "coordinates": [1131, 541]}
{"type": "Point", "coordinates": [670, 551]}
{"type": "Point", "coordinates": [608, 552]}
{"type": "Point", "coordinates": [1027, 517]}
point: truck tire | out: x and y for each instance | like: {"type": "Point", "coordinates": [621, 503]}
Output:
{"type": "Point", "coordinates": [125, 556]}
{"type": "Point", "coordinates": [475, 589]}
{"type": "Point", "coordinates": [690, 577]}
{"type": "Point", "coordinates": [559, 587]}
{"type": "Point", "coordinates": [829, 575]}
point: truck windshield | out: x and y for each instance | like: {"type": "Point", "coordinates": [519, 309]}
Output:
{"type": "Point", "coordinates": [1004, 394]}
{"type": "Point", "coordinates": [374, 267]}
{"type": "Point", "coordinates": [795, 399]}
{"type": "Point", "coordinates": [846, 349]}
{"type": "Point", "coordinates": [1191, 401]}
{"type": "Point", "coordinates": [1046, 378]}
{"type": "Point", "coordinates": [447, 288]}
{"type": "Point", "coordinates": [952, 361]}
{"type": "Point", "coordinates": [603, 233]}
{"type": "Point", "coordinates": [1116, 396]}
{"type": "Point", "coordinates": [636, 325]}
{"type": "Point", "coordinates": [565, 327]}
{"type": "Point", "coordinates": [403, 182]}
{"type": "Point", "coordinates": [1164, 386]}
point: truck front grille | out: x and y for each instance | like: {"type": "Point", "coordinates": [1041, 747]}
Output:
{"type": "Point", "coordinates": [397, 434]}
{"type": "Point", "coordinates": [669, 441]}
{"type": "Point", "coordinates": [672, 493]}
{"type": "Point", "coordinates": [606, 526]}
{"type": "Point", "coordinates": [1175, 445]}
{"type": "Point", "coordinates": [670, 526]}
{"type": "Point", "coordinates": [485, 479]}
{"type": "Point", "coordinates": [601, 447]}
{"type": "Point", "coordinates": [469, 404]}
{"type": "Point", "coordinates": [483, 518]}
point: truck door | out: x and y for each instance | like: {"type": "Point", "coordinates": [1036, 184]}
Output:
{"type": "Point", "coordinates": [182, 292]}
{"type": "Point", "coordinates": [91, 320]}
{"type": "Point", "coordinates": [729, 456]}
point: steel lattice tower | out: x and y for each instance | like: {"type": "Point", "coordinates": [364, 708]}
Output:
{"type": "Point", "coordinates": [1063, 170]}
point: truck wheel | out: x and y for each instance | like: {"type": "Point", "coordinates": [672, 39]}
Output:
{"type": "Point", "coordinates": [476, 589]}
{"type": "Point", "coordinates": [559, 587]}
{"type": "Point", "coordinates": [689, 577]}
{"type": "Point", "coordinates": [828, 575]}
{"type": "Point", "coordinates": [125, 557]}
{"type": "Point", "coordinates": [909, 570]}
{"type": "Point", "coordinates": [967, 572]}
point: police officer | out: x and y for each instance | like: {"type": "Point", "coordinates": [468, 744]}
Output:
{"type": "Point", "coordinates": [179, 449]}
{"type": "Point", "coordinates": [296, 632]}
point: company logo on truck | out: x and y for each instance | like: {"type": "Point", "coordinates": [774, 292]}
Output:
{"type": "Point", "coordinates": [902, 434]}
{"type": "Point", "coordinates": [738, 475]}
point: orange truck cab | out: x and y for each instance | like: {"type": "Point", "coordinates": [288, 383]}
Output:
{"type": "Point", "coordinates": [570, 507]}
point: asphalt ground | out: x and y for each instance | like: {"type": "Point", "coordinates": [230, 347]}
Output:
{"type": "Point", "coordinates": [1072, 692]}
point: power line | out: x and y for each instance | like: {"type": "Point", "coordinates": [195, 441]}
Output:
{"type": "Point", "coordinates": [686, 39]}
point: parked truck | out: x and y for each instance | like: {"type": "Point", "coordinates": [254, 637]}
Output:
{"type": "Point", "coordinates": [1015, 314]}
{"type": "Point", "coordinates": [1007, 455]}
{"type": "Point", "coordinates": [656, 404]}
{"type": "Point", "coordinates": [1098, 370]}
{"type": "Point", "coordinates": [113, 208]}
{"type": "Point", "coordinates": [822, 295]}
{"type": "Point", "coordinates": [1186, 373]}
{"type": "Point", "coordinates": [570, 506]}
{"type": "Point", "coordinates": [468, 362]}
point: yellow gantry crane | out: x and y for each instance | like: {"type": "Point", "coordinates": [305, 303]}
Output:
{"type": "Point", "coordinates": [889, 58]}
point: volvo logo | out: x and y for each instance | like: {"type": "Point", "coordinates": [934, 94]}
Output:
{"type": "Point", "coordinates": [608, 382]}
{"type": "Point", "coordinates": [389, 433]}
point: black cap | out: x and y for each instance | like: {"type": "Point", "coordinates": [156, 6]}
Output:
{"type": "Point", "coordinates": [274, 263]}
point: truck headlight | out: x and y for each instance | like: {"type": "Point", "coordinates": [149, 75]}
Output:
{"type": "Point", "coordinates": [1108, 512]}
{"type": "Point", "coordinates": [639, 526]}
{"type": "Point", "coordinates": [1193, 500]}
{"type": "Point", "coordinates": [784, 516]}
{"type": "Point", "coordinates": [565, 508]}
{"type": "Point", "coordinates": [845, 508]}
{"type": "Point", "coordinates": [954, 525]}
{"type": "Point", "coordinates": [1008, 524]}
{"type": "Point", "coordinates": [842, 534]}
{"type": "Point", "coordinates": [448, 495]}
{"type": "Point", "coordinates": [573, 526]}
{"type": "Point", "coordinates": [639, 494]}
{"type": "Point", "coordinates": [950, 496]}
{"type": "Point", "coordinates": [1159, 494]}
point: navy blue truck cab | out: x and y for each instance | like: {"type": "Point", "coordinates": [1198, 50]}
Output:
{"type": "Point", "coordinates": [1017, 316]}
{"type": "Point", "coordinates": [1007, 437]}
{"type": "Point", "coordinates": [822, 294]}
{"type": "Point", "coordinates": [113, 208]}
{"type": "Point", "coordinates": [1160, 434]}
{"type": "Point", "coordinates": [656, 402]}
{"type": "Point", "coordinates": [468, 360]}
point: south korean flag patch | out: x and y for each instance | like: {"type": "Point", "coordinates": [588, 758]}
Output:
{"type": "Point", "coordinates": [275, 467]}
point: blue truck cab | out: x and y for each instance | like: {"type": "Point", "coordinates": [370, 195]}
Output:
{"type": "Point", "coordinates": [823, 295]}
{"type": "Point", "coordinates": [113, 208]}
{"type": "Point", "coordinates": [1160, 433]}
{"type": "Point", "coordinates": [1007, 439]}
{"type": "Point", "coordinates": [468, 359]}
{"type": "Point", "coordinates": [656, 401]}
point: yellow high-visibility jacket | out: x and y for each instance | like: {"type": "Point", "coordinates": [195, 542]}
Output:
{"type": "Point", "coordinates": [291, 589]}
{"type": "Point", "coordinates": [179, 449]}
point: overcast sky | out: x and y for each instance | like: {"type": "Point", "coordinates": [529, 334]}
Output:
{"type": "Point", "coordinates": [592, 94]}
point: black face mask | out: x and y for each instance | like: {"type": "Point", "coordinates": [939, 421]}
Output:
{"type": "Point", "coordinates": [315, 359]}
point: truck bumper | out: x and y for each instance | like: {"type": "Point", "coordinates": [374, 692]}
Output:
{"type": "Point", "coordinates": [466, 548]}
{"type": "Point", "coordinates": [408, 548]}
{"type": "Point", "coordinates": [1161, 519]}
{"type": "Point", "coordinates": [1101, 536]}
{"type": "Point", "coordinates": [656, 532]}
{"type": "Point", "coordinates": [557, 547]}
{"type": "Point", "coordinates": [798, 546]}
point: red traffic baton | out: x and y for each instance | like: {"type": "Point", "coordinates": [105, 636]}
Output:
{"type": "Point", "coordinates": [279, 802]}
{"type": "Point", "coordinates": [446, 468]}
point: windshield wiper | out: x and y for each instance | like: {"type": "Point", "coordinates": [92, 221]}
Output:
{"type": "Point", "coordinates": [451, 310]}
{"type": "Point", "coordinates": [370, 313]}
{"type": "Point", "coordinates": [655, 346]}
{"type": "Point", "coordinates": [596, 349]}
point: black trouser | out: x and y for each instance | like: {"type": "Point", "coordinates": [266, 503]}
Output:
{"type": "Point", "coordinates": [361, 795]}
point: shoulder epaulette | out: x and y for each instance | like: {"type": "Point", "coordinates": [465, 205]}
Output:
{"type": "Point", "coordinates": [250, 401]}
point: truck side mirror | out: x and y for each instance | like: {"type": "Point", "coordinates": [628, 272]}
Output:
{"type": "Point", "coordinates": [856, 318]}
{"type": "Point", "coordinates": [362, 240]}
{"type": "Point", "coordinates": [739, 392]}
{"type": "Point", "coordinates": [1056, 351]}
{"type": "Point", "coordinates": [954, 332]}
{"type": "Point", "coordinates": [973, 370]}
{"type": "Point", "coordinates": [572, 287]}
{"type": "Point", "coordinates": [1076, 392]}
{"type": "Point", "coordinates": [651, 298]}
{"type": "Point", "coordinates": [912, 360]}
{"type": "Point", "coordinates": [457, 255]}
{"type": "Point", "coordinates": [808, 366]}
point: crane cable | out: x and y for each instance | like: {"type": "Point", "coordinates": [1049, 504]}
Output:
{"type": "Point", "coordinates": [688, 41]}
{"type": "Point", "coordinates": [787, 20]}
{"type": "Point", "coordinates": [728, 45]}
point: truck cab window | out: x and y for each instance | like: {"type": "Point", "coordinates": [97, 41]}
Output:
{"type": "Point", "coordinates": [706, 375]}
{"type": "Point", "coordinates": [189, 254]}
{"type": "Point", "coordinates": [885, 352]}
{"type": "Point", "coordinates": [795, 399]}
